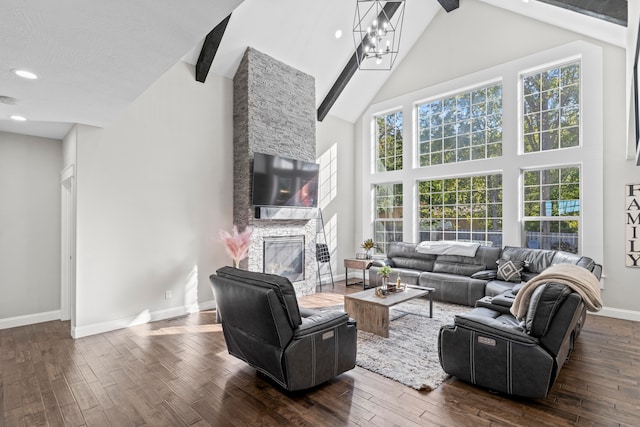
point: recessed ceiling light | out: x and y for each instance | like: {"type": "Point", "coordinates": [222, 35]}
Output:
{"type": "Point", "coordinates": [18, 118]}
{"type": "Point", "coordinates": [338, 34]}
{"type": "Point", "coordinates": [25, 74]}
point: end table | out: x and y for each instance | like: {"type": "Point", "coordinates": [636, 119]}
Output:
{"type": "Point", "coordinates": [359, 264]}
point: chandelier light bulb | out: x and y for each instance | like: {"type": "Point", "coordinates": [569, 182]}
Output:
{"type": "Point", "coordinates": [378, 60]}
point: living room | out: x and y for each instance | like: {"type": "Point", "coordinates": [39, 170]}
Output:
{"type": "Point", "coordinates": [155, 186]}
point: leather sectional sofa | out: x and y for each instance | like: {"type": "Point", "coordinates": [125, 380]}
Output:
{"type": "Point", "coordinates": [465, 280]}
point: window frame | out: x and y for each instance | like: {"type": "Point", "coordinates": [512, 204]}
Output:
{"type": "Point", "coordinates": [588, 154]}
{"type": "Point", "coordinates": [559, 218]}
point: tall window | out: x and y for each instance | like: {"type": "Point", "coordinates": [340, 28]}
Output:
{"type": "Point", "coordinates": [388, 215]}
{"type": "Point", "coordinates": [551, 107]}
{"type": "Point", "coordinates": [389, 142]}
{"type": "Point", "coordinates": [552, 208]}
{"type": "Point", "coordinates": [466, 126]}
{"type": "Point", "coordinates": [466, 209]}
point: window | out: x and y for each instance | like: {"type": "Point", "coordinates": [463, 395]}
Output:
{"type": "Point", "coordinates": [466, 209]}
{"type": "Point", "coordinates": [551, 108]}
{"type": "Point", "coordinates": [466, 126]}
{"type": "Point", "coordinates": [388, 215]}
{"type": "Point", "coordinates": [552, 208]}
{"type": "Point", "coordinates": [389, 141]}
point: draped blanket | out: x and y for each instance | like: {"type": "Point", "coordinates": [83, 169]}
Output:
{"type": "Point", "coordinates": [577, 278]}
{"type": "Point", "coordinates": [448, 247]}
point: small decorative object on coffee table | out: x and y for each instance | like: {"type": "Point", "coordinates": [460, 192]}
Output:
{"type": "Point", "coordinates": [385, 271]}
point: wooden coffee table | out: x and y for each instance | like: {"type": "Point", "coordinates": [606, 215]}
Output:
{"type": "Point", "coordinates": [372, 312]}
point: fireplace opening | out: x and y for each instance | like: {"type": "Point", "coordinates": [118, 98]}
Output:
{"type": "Point", "coordinates": [284, 256]}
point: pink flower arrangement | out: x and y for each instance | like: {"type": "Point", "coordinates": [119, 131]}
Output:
{"type": "Point", "coordinates": [236, 244]}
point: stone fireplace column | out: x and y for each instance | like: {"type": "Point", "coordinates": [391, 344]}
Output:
{"type": "Point", "coordinates": [274, 113]}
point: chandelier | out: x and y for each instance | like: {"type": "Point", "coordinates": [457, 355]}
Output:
{"type": "Point", "coordinates": [376, 33]}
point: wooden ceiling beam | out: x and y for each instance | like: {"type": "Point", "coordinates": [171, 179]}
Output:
{"type": "Point", "coordinates": [209, 50]}
{"type": "Point", "coordinates": [449, 5]}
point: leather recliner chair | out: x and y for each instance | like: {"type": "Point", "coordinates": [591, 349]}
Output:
{"type": "Point", "coordinates": [263, 325]}
{"type": "Point", "coordinates": [492, 349]}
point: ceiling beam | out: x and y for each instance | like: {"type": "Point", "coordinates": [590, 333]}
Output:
{"type": "Point", "coordinates": [449, 5]}
{"type": "Point", "coordinates": [350, 69]}
{"type": "Point", "coordinates": [209, 50]}
{"type": "Point", "coordinates": [614, 11]}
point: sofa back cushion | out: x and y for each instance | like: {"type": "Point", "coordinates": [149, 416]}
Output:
{"type": "Point", "coordinates": [536, 260]}
{"type": "Point", "coordinates": [461, 269]}
{"type": "Point", "coordinates": [404, 255]}
{"type": "Point", "coordinates": [545, 300]}
{"type": "Point", "coordinates": [569, 258]}
{"type": "Point", "coordinates": [486, 256]}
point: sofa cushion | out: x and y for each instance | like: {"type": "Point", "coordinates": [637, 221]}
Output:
{"type": "Point", "coordinates": [456, 268]}
{"type": "Point", "coordinates": [485, 275]}
{"type": "Point", "coordinates": [544, 303]}
{"type": "Point", "coordinates": [509, 270]}
{"type": "Point", "coordinates": [404, 255]}
{"type": "Point", "coordinates": [538, 259]}
{"type": "Point", "coordinates": [496, 287]}
{"type": "Point", "coordinates": [453, 288]}
{"type": "Point", "coordinates": [413, 263]}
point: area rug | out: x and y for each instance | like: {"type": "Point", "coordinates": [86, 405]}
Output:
{"type": "Point", "coordinates": [410, 354]}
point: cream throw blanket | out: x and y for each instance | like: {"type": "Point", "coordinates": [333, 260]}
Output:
{"type": "Point", "coordinates": [577, 278]}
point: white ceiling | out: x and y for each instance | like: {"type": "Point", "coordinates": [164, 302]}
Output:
{"type": "Point", "coordinates": [94, 58]}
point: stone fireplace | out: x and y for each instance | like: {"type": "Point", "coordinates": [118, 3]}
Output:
{"type": "Point", "coordinates": [273, 113]}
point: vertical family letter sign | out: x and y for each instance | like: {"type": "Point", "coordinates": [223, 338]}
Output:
{"type": "Point", "coordinates": [633, 225]}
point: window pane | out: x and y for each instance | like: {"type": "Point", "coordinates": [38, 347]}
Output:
{"type": "Point", "coordinates": [465, 209]}
{"type": "Point", "coordinates": [549, 195]}
{"type": "Point", "coordinates": [448, 127]}
{"type": "Point", "coordinates": [551, 108]}
{"type": "Point", "coordinates": [389, 142]}
{"type": "Point", "coordinates": [387, 224]}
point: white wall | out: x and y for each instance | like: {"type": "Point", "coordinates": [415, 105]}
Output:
{"type": "Point", "coordinates": [335, 152]}
{"type": "Point", "coordinates": [153, 190]}
{"type": "Point", "coordinates": [477, 36]}
{"type": "Point", "coordinates": [29, 229]}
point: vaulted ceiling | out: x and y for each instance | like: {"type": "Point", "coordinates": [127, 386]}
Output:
{"type": "Point", "coordinates": [94, 58]}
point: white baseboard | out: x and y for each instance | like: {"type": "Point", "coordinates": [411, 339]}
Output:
{"type": "Point", "coordinates": [145, 317]}
{"type": "Point", "coordinates": [29, 319]}
{"type": "Point", "coordinates": [206, 305]}
{"type": "Point", "coordinates": [619, 313]}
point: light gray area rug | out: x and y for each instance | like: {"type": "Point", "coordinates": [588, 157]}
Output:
{"type": "Point", "coordinates": [410, 354]}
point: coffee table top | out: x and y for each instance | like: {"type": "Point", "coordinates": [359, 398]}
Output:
{"type": "Point", "coordinates": [391, 299]}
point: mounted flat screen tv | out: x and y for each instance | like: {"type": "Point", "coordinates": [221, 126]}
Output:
{"type": "Point", "coordinates": [279, 181]}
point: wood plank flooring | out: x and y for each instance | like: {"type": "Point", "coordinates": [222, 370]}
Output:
{"type": "Point", "coordinates": [177, 373]}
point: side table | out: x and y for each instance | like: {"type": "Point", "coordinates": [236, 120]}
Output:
{"type": "Point", "coordinates": [359, 264]}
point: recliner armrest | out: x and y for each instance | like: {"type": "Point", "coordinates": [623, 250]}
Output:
{"type": "Point", "coordinates": [381, 262]}
{"type": "Point", "coordinates": [320, 321]}
{"type": "Point", "coordinates": [491, 326]}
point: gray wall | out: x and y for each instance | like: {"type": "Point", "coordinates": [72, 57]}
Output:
{"type": "Point", "coordinates": [29, 227]}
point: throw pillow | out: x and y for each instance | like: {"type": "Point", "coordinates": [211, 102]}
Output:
{"type": "Point", "coordinates": [509, 270]}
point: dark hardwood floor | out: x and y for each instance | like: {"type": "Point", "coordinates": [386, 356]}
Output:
{"type": "Point", "coordinates": [178, 372]}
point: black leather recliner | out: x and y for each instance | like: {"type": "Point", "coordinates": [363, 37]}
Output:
{"type": "Point", "coordinates": [491, 348]}
{"type": "Point", "coordinates": [263, 325]}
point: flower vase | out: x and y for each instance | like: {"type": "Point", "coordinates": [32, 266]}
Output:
{"type": "Point", "coordinates": [385, 281]}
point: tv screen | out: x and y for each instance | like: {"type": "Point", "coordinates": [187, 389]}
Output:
{"type": "Point", "coordinates": [279, 181]}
